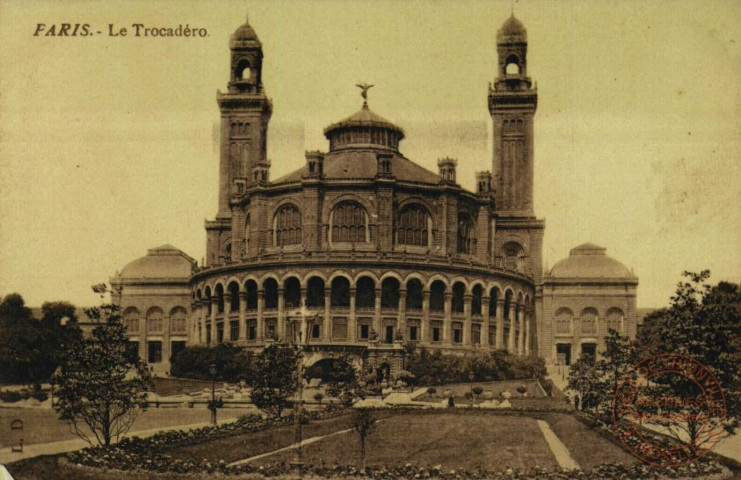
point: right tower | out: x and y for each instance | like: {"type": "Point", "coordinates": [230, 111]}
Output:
{"type": "Point", "coordinates": [512, 104]}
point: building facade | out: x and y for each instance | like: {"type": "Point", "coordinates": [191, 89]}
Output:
{"type": "Point", "coordinates": [360, 250]}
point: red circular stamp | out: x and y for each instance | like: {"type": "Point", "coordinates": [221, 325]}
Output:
{"type": "Point", "coordinates": [669, 410]}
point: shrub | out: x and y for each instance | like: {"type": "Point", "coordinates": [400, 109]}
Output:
{"type": "Point", "coordinates": [547, 385]}
{"type": "Point", "coordinates": [39, 395]}
{"type": "Point", "coordinates": [522, 390]}
{"type": "Point", "coordinates": [478, 391]}
{"type": "Point", "coordinates": [11, 397]}
{"type": "Point", "coordinates": [233, 364]}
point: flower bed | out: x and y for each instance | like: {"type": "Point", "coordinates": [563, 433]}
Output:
{"type": "Point", "coordinates": [150, 455]}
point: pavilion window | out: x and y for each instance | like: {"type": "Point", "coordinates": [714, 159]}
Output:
{"type": "Point", "coordinates": [155, 352]}
{"type": "Point", "coordinates": [252, 330]}
{"type": "Point", "coordinates": [349, 223]}
{"type": "Point", "coordinates": [412, 226]}
{"type": "Point", "coordinates": [457, 332]}
{"type": "Point", "coordinates": [288, 229]}
{"type": "Point", "coordinates": [220, 332]}
{"type": "Point", "coordinates": [476, 334]}
{"type": "Point", "coordinates": [234, 330]}
{"type": "Point", "coordinates": [465, 234]}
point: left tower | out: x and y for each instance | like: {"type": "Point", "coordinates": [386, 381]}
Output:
{"type": "Point", "coordinates": [245, 114]}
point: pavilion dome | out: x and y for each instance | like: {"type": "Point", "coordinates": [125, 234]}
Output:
{"type": "Point", "coordinates": [512, 31]}
{"type": "Point", "coordinates": [364, 128]}
{"type": "Point", "coordinates": [165, 261]}
{"type": "Point", "coordinates": [590, 261]}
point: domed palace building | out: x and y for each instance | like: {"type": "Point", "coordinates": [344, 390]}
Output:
{"type": "Point", "coordinates": [362, 250]}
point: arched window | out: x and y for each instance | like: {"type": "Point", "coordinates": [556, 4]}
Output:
{"type": "Point", "coordinates": [437, 296]}
{"type": "Point", "coordinates": [315, 292]}
{"type": "Point", "coordinates": [292, 293]}
{"type": "Point", "coordinates": [154, 320]}
{"type": "Point", "coordinates": [177, 320]}
{"type": "Point", "coordinates": [349, 223]}
{"type": "Point", "coordinates": [234, 297]}
{"type": "Point", "coordinates": [514, 256]}
{"type": "Point", "coordinates": [414, 294]}
{"type": "Point", "coordinates": [513, 65]}
{"type": "Point", "coordinates": [131, 320]}
{"type": "Point", "coordinates": [478, 293]}
{"type": "Point", "coordinates": [365, 294]}
{"type": "Point", "coordinates": [340, 296]}
{"type": "Point", "coordinates": [466, 235]}
{"type": "Point", "coordinates": [615, 320]}
{"type": "Point", "coordinates": [246, 241]}
{"type": "Point", "coordinates": [589, 321]}
{"type": "Point", "coordinates": [244, 72]}
{"type": "Point", "coordinates": [288, 226]}
{"type": "Point", "coordinates": [413, 226]}
{"type": "Point", "coordinates": [459, 291]}
{"type": "Point", "coordinates": [563, 321]}
{"type": "Point", "coordinates": [390, 293]}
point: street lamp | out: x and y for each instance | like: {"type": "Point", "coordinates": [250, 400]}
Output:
{"type": "Point", "coordinates": [470, 379]}
{"type": "Point", "coordinates": [212, 370]}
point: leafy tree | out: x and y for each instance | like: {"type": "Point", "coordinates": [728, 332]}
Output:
{"type": "Point", "coordinates": [100, 389]}
{"type": "Point", "coordinates": [363, 422]}
{"type": "Point", "coordinates": [30, 350]}
{"type": "Point", "coordinates": [703, 323]}
{"type": "Point", "coordinates": [586, 380]}
{"type": "Point", "coordinates": [274, 380]}
{"type": "Point", "coordinates": [18, 341]}
{"type": "Point", "coordinates": [319, 396]}
{"type": "Point", "coordinates": [343, 382]}
{"type": "Point", "coordinates": [233, 363]}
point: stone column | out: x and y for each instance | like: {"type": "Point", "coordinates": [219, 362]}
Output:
{"type": "Point", "coordinates": [425, 328]}
{"type": "Point", "coordinates": [352, 321]}
{"type": "Point", "coordinates": [260, 319]}
{"type": "Point", "coordinates": [242, 314]}
{"type": "Point", "coordinates": [214, 309]}
{"type": "Point", "coordinates": [203, 310]}
{"type": "Point", "coordinates": [500, 324]}
{"type": "Point", "coordinates": [485, 301]}
{"type": "Point", "coordinates": [227, 305]}
{"type": "Point", "coordinates": [468, 324]}
{"type": "Point", "coordinates": [403, 313]}
{"type": "Point", "coordinates": [528, 320]}
{"type": "Point", "coordinates": [448, 324]}
{"type": "Point", "coordinates": [511, 316]}
{"type": "Point", "coordinates": [521, 333]}
{"type": "Point", "coordinates": [326, 333]}
{"type": "Point", "coordinates": [377, 318]}
{"type": "Point", "coordinates": [280, 328]}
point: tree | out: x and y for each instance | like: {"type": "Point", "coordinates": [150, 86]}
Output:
{"type": "Point", "coordinates": [703, 323]}
{"type": "Point", "coordinates": [343, 382]}
{"type": "Point", "coordinates": [30, 350]}
{"type": "Point", "coordinates": [319, 396]}
{"type": "Point", "coordinates": [274, 380]}
{"type": "Point", "coordinates": [99, 387]}
{"type": "Point", "coordinates": [586, 380]}
{"type": "Point", "coordinates": [363, 422]}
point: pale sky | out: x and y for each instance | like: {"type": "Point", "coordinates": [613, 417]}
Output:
{"type": "Point", "coordinates": [108, 146]}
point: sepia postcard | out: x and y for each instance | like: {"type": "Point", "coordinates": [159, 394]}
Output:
{"type": "Point", "coordinates": [351, 239]}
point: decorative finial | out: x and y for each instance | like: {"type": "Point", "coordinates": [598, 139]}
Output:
{"type": "Point", "coordinates": [364, 87]}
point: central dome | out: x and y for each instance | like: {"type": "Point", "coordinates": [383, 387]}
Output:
{"type": "Point", "coordinates": [364, 129]}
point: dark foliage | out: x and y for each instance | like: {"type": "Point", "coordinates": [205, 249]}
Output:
{"type": "Point", "coordinates": [233, 364]}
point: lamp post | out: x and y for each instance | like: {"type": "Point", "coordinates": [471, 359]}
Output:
{"type": "Point", "coordinates": [212, 370]}
{"type": "Point", "coordinates": [470, 379]}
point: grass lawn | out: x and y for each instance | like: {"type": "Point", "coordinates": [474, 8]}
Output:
{"type": "Point", "coordinates": [41, 425]}
{"type": "Point", "coordinates": [239, 447]}
{"type": "Point", "coordinates": [586, 446]}
{"type": "Point", "coordinates": [470, 440]}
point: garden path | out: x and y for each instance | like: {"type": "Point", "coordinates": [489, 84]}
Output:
{"type": "Point", "coordinates": [53, 448]}
{"type": "Point", "coordinates": [303, 443]}
{"type": "Point", "coordinates": [563, 457]}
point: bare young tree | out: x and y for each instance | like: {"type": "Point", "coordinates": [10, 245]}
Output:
{"type": "Point", "coordinates": [101, 386]}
